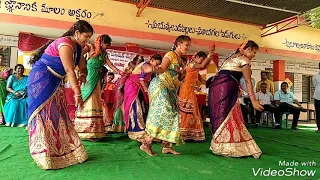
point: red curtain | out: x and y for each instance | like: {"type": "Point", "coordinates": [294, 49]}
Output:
{"type": "Point", "coordinates": [29, 42]}
{"type": "Point", "coordinates": [118, 48]}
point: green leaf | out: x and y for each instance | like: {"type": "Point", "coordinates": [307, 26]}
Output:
{"type": "Point", "coordinates": [313, 17]}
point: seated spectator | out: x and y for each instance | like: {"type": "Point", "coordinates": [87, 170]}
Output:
{"type": "Point", "coordinates": [244, 107]}
{"type": "Point", "coordinates": [15, 108]}
{"type": "Point", "coordinates": [246, 99]}
{"type": "Point", "coordinates": [265, 99]}
{"type": "Point", "coordinates": [264, 79]}
{"type": "Point", "coordinates": [284, 101]}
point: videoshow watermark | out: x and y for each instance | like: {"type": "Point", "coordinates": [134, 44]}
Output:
{"type": "Point", "coordinates": [288, 169]}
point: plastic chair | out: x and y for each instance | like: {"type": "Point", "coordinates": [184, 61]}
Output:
{"type": "Point", "coordinates": [267, 115]}
{"type": "Point", "coordinates": [287, 115]}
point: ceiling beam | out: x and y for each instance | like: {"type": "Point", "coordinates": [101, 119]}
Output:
{"type": "Point", "coordinates": [142, 5]}
{"type": "Point", "coordinates": [262, 6]}
{"type": "Point", "coordinates": [281, 26]}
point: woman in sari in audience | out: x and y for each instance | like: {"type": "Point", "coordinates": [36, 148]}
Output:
{"type": "Point", "coordinates": [136, 101]}
{"type": "Point", "coordinates": [191, 122]}
{"type": "Point", "coordinates": [53, 142]}
{"type": "Point", "coordinates": [89, 122]}
{"type": "Point", "coordinates": [4, 74]}
{"type": "Point", "coordinates": [230, 136]}
{"type": "Point", "coordinates": [118, 118]}
{"type": "Point", "coordinates": [15, 109]}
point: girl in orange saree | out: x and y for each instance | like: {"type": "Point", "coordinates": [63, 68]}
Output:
{"type": "Point", "coordinates": [191, 126]}
{"type": "Point", "coordinates": [230, 136]}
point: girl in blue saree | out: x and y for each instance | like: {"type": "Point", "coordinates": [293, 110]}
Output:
{"type": "Point", "coordinates": [15, 108]}
{"type": "Point", "coordinates": [53, 141]}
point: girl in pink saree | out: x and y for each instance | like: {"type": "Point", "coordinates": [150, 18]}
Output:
{"type": "Point", "coordinates": [136, 99]}
{"type": "Point", "coordinates": [53, 141]}
{"type": "Point", "coordinates": [118, 117]}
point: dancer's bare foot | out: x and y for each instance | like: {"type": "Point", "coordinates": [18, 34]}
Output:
{"type": "Point", "coordinates": [170, 151]}
{"type": "Point", "coordinates": [147, 150]}
{"type": "Point", "coordinates": [257, 156]}
{"type": "Point", "coordinates": [140, 140]}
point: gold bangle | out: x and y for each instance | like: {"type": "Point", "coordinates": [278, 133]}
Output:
{"type": "Point", "coordinates": [77, 95]}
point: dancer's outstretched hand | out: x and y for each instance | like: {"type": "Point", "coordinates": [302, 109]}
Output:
{"type": "Point", "coordinates": [257, 105]}
{"type": "Point", "coordinates": [212, 49]}
{"type": "Point", "coordinates": [82, 79]}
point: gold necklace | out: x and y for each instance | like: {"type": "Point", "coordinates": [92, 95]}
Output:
{"type": "Point", "coordinates": [176, 53]}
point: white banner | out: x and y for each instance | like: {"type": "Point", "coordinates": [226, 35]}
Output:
{"type": "Point", "coordinates": [120, 59]}
{"type": "Point", "coordinates": [8, 41]}
{"type": "Point", "coordinates": [26, 59]}
{"type": "Point", "coordinates": [297, 88]}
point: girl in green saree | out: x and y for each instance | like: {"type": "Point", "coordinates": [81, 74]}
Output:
{"type": "Point", "coordinates": [89, 120]}
{"type": "Point", "coordinates": [4, 74]}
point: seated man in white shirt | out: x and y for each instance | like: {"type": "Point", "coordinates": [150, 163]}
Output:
{"type": "Point", "coordinates": [285, 99]}
{"type": "Point", "coordinates": [265, 98]}
{"type": "Point", "coordinates": [244, 108]}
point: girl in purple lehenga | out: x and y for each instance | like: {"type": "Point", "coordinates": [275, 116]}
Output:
{"type": "Point", "coordinates": [230, 136]}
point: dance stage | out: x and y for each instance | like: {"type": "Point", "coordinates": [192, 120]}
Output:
{"type": "Point", "coordinates": [118, 157]}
